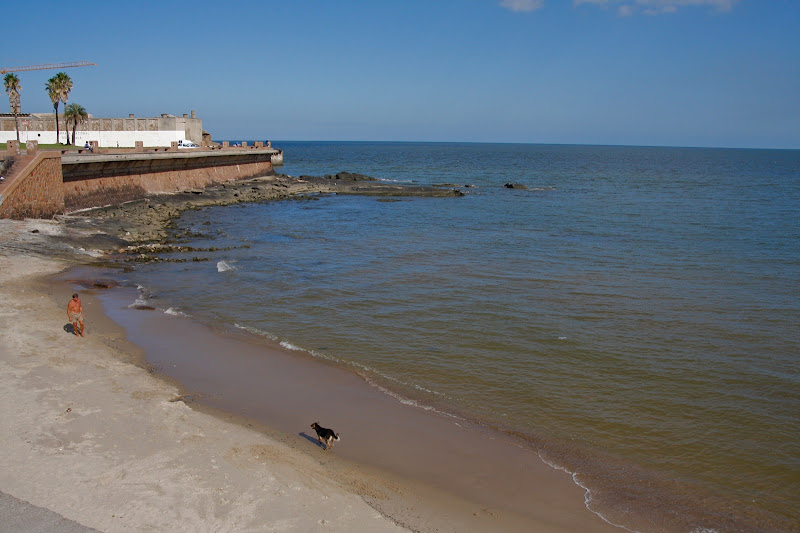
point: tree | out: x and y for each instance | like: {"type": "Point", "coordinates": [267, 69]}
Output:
{"type": "Point", "coordinates": [13, 87]}
{"type": "Point", "coordinates": [55, 97]}
{"type": "Point", "coordinates": [58, 87]}
{"type": "Point", "coordinates": [66, 86]}
{"type": "Point", "coordinates": [74, 113]}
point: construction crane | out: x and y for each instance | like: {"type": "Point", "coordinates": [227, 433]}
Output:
{"type": "Point", "coordinates": [47, 66]}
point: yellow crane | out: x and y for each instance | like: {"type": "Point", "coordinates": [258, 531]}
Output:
{"type": "Point", "coordinates": [47, 66]}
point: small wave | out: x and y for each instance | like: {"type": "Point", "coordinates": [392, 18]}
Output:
{"type": "Point", "coordinates": [144, 302]}
{"type": "Point", "coordinates": [407, 401]}
{"type": "Point", "coordinates": [289, 346]}
{"type": "Point", "coordinates": [256, 331]}
{"type": "Point", "coordinates": [362, 370]}
{"type": "Point", "coordinates": [423, 389]}
{"type": "Point", "coordinates": [141, 303]}
{"type": "Point", "coordinates": [587, 495]}
{"type": "Point", "coordinates": [224, 266]}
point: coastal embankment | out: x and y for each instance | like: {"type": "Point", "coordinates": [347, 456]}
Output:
{"type": "Point", "coordinates": [100, 435]}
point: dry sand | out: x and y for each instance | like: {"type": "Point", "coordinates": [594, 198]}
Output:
{"type": "Point", "coordinates": [92, 434]}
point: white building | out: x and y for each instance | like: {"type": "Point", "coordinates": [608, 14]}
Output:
{"type": "Point", "coordinates": [108, 132]}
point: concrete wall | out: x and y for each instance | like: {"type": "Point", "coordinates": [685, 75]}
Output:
{"type": "Point", "coordinates": [109, 132]}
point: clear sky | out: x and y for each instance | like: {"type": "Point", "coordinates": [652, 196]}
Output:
{"type": "Point", "coordinates": [635, 72]}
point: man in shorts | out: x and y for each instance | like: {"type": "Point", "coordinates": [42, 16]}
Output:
{"type": "Point", "coordinates": [75, 314]}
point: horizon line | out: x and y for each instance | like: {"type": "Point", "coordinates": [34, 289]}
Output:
{"type": "Point", "coordinates": [709, 147]}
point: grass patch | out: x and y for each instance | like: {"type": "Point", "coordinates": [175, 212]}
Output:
{"type": "Point", "coordinates": [4, 146]}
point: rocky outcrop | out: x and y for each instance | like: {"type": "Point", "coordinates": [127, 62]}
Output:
{"type": "Point", "coordinates": [146, 220]}
{"type": "Point", "coordinates": [350, 176]}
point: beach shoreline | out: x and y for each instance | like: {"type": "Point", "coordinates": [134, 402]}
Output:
{"type": "Point", "coordinates": [92, 435]}
{"type": "Point", "coordinates": [70, 438]}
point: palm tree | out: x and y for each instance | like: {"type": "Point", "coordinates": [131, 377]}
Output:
{"type": "Point", "coordinates": [55, 97]}
{"type": "Point", "coordinates": [76, 114]}
{"type": "Point", "coordinates": [66, 86]}
{"type": "Point", "coordinates": [58, 87]}
{"type": "Point", "coordinates": [13, 87]}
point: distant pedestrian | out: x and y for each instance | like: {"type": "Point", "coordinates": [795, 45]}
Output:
{"type": "Point", "coordinates": [75, 314]}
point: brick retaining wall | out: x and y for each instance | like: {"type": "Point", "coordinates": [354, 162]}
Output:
{"type": "Point", "coordinates": [36, 191]}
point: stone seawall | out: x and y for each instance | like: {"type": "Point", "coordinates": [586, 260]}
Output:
{"type": "Point", "coordinates": [92, 181]}
{"type": "Point", "coordinates": [36, 191]}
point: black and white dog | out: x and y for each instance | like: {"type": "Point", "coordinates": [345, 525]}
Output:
{"type": "Point", "coordinates": [325, 434]}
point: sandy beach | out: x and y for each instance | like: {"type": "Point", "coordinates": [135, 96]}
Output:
{"type": "Point", "coordinates": [94, 433]}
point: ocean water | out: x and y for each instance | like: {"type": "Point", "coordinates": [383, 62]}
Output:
{"type": "Point", "coordinates": [633, 313]}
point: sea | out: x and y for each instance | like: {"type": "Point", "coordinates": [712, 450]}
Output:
{"type": "Point", "coordinates": [633, 312]}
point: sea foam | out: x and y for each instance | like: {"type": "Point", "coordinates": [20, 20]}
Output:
{"type": "Point", "coordinates": [224, 266]}
{"type": "Point", "coordinates": [289, 346]}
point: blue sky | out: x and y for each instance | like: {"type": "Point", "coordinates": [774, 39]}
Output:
{"type": "Point", "coordinates": [634, 72]}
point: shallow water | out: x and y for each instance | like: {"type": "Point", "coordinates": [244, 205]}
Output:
{"type": "Point", "coordinates": [633, 313]}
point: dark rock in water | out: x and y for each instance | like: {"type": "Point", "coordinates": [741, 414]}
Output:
{"type": "Point", "coordinates": [350, 176]}
{"type": "Point", "coordinates": [144, 307]}
{"type": "Point", "coordinates": [94, 284]}
{"type": "Point", "coordinates": [35, 231]}
{"type": "Point", "coordinates": [514, 186]}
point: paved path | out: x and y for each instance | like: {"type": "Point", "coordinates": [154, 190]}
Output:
{"type": "Point", "coordinates": [17, 516]}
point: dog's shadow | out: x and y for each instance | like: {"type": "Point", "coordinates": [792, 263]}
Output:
{"type": "Point", "coordinates": [312, 439]}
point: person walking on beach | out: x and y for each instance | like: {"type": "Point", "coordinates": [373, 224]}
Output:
{"type": "Point", "coordinates": [75, 314]}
